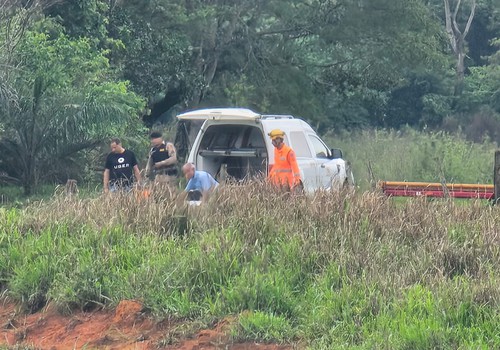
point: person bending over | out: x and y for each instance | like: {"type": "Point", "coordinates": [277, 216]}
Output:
{"type": "Point", "coordinates": [198, 180]}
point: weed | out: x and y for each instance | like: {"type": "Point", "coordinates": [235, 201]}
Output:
{"type": "Point", "coordinates": [262, 326]}
{"type": "Point", "coordinates": [330, 270]}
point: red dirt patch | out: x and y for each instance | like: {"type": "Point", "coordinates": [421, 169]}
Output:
{"type": "Point", "coordinates": [127, 327]}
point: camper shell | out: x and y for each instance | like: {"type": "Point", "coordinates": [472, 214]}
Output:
{"type": "Point", "coordinates": [233, 143]}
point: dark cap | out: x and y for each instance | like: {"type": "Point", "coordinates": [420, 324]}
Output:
{"type": "Point", "coordinates": [155, 134]}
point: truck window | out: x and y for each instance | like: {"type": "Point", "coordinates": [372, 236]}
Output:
{"type": "Point", "coordinates": [320, 150]}
{"type": "Point", "coordinates": [299, 144]}
{"type": "Point", "coordinates": [232, 137]}
{"type": "Point", "coordinates": [253, 139]}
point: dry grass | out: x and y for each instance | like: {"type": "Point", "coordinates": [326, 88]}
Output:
{"type": "Point", "coordinates": [439, 238]}
{"type": "Point", "coordinates": [354, 266]}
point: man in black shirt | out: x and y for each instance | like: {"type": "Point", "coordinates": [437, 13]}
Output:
{"type": "Point", "coordinates": [121, 168]}
{"type": "Point", "coordinates": [162, 162]}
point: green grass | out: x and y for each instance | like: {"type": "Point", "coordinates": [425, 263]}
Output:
{"type": "Point", "coordinates": [13, 196]}
{"type": "Point", "coordinates": [264, 326]}
{"type": "Point", "coordinates": [346, 271]}
{"type": "Point", "coordinates": [390, 155]}
{"type": "Point", "coordinates": [329, 271]}
{"type": "Point", "coordinates": [408, 155]}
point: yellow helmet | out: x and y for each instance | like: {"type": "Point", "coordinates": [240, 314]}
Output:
{"type": "Point", "coordinates": [276, 133]}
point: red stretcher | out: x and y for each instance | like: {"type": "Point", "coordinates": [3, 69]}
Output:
{"type": "Point", "coordinates": [429, 189]}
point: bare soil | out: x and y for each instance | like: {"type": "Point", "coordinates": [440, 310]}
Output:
{"type": "Point", "coordinates": [127, 327]}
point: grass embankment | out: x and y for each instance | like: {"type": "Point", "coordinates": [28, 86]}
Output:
{"type": "Point", "coordinates": [329, 271]}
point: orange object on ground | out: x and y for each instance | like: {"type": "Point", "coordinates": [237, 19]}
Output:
{"type": "Point", "coordinates": [146, 193]}
{"type": "Point", "coordinates": [434, 189]}
{"type": "Point", "coordinates": [143, 194]}
{"type": "Point", "coordinates": [285, 170]}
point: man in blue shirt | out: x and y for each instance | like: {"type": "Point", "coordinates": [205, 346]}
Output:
{"type": "Point", "coordinates": [198, 180]}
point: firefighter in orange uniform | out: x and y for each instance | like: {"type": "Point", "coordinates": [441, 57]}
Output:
{"type": "Point", "coordinates": [285, 171]}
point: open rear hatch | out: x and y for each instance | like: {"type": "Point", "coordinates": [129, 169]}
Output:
{"type": "Point", "coordinates": [232, 145]}
{"type": "Point", "coordinates": [232, 151]}
{"type": "Point", "coordinates": [191, 122]}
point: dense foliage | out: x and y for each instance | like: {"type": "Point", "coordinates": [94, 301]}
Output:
{"type": "Point", "coordinates": [341, 64]}
{"type": "Point", "coordinates": [409, 91]}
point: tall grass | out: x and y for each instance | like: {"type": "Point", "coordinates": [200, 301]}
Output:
{"type": "Point", "coordinates": [409, 155]}
{"type": "Point", "coordinates": [394, 155]}
{"type": "Point", "coordinates": [331, 270]}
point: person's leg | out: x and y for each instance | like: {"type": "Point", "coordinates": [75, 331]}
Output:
{"type": "Point", "coordinates": [127, 188]}
{"type": "Point", "coordinates": [171, 181]}
{"type": "Point", "coordinates": [164, 185]}
{"type": "Point", "coordinates": [123, 188]}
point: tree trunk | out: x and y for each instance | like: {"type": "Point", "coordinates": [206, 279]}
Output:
{"type": "Point", "coordinates": [457, 39]}
{"type": "Point", "coordinates": [460, 71]}
{"type": "Point", "coordinates": [29, 179]}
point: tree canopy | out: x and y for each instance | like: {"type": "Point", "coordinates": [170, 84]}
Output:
{"type": "Point", "coordinates": [97, 67]}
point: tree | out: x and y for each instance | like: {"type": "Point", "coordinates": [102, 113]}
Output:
{"type": "Point", "coordinates": [82, 18]}
{"type": "Point", "coordinates": [336, 62]}
{"type": "Point", "coordinates": [482, 86]}
{"type": "Point", "coordinates": [378, 56]}
{"type": "Point", "coordinates": [457, 37]}
{"type": "Point", "coordinates": [62, 101]}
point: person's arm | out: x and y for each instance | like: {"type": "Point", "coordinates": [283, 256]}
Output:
{"type": "Point", "coordinates": [190, 185]}
{"type": "Point", "coordinates": [105, 181]}
{"type": "Point", "coordinates": [137, 174]}
{"type": "Point", "coordinates": [295, 167]}
{"type": "Point", "coordinates": [271, 173]}
{"type": "Point", "coordinates": [172, 157]}
{"type": "Point", "coordinates": [149, 164]}
{"type": "Point", "coordinates": [135, 167]}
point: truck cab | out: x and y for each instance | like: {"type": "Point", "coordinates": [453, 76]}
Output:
{"type": "Point", "coordinates": [233, 144]}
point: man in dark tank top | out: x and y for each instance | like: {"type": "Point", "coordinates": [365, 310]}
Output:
{"type": "Point", "coordinates": [162, 162]}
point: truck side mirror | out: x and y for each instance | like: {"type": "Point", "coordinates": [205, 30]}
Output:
{"type": "Point", "coordinates": [336, 153]}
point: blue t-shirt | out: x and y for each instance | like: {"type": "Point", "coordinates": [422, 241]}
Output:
{"type": "Point", "coordinates": [201, 181]}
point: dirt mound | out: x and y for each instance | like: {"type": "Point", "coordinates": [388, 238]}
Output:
{"type": "Point", "coordinates": [127, 327]}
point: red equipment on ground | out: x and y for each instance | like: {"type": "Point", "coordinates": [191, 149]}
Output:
{"type": "Point", "coordinates": [426, 189]}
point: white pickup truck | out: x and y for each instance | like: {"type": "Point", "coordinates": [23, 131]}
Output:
{"type": "Point", "coordinates": [233, 143]}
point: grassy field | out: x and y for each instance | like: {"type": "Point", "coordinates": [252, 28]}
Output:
{"type": "Point", "coordinates": [344, 271]}
{"type": "Point", "coordinates": [329, 271]}
{"type": "Point", "coordinates": [404, 155]}
{"type": "Point", "coordinates": [408, 155]}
